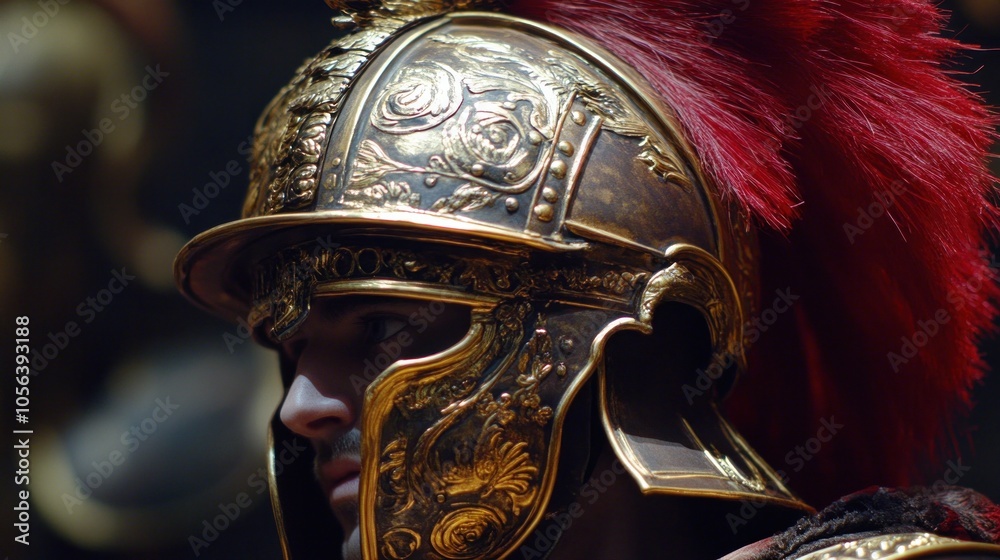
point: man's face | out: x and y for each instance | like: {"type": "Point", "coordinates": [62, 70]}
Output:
{"type": "Point", "coordinates": [343, 344]}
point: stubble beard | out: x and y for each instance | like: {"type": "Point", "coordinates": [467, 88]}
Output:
{"type": "Point", "coordinates": [346, 512]}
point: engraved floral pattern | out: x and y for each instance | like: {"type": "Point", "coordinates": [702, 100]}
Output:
{"type": "Point", "coordinates": [473, 467]}
{"type": "Point", "coordinates": [497, 109]}
{"type": "Point", "coordinates": [388, 194]}
{"type": "Point", "coordinates": [292, 133]}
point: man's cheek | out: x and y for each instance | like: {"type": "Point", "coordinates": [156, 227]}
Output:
{"type": "Point", "coordinates": [352, 545]}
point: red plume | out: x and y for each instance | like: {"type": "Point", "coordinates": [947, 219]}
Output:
{"type": "Point", "coordinates": [835, 126]}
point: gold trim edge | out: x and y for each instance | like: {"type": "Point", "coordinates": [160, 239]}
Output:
{"type": "Point", "coordinates": [900, 546]}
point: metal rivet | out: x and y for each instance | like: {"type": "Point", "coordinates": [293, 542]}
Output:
{"type": "Point", "coordinates": [544, 212]}
{"type": "Point", "coordinates": [478, 170]}
{"type": "Point", "coordinates": [512, 204]}
{"type": "Point", "coordinates": [431, 181]}
{"type": "Point", "coordinates": [566, 344]}
{"type": "Point", "coordinates": [566, 148]}
{"type": "Point", "coordinates": [476, 129]}
{"type": "Point", "coordinates": [535, 137]}
{"type": "Point", "coordinates": [578, 117]}
{"type": "Point", "coordinates": [335, 161]}
{"type": "Point", "coordinates": [550, 194]}
{"type": "Point", "coordinates": [441, 498]}
{"type": "Point", "coordinates": [558, 169]}
{"type": "Point", "coordinates": [508, 105]}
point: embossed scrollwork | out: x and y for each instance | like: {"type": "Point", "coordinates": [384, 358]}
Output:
{"type": "Point", "coordinates": [421, 96]}
{"type": "Point", "coordinates": [499, 109]}
{"type": "Point", "coordinates": [492, 136]}
{"type": "Point", "coordinates": [462, 469]}
{"type": "Point", "coordinates": [284, 283]}
{"type": "Point", "coordinates": [400, 544]}
{"type": "Point", "coordinates": [290, 137]}
{"type": "Point", "coordinates": [467, 532]}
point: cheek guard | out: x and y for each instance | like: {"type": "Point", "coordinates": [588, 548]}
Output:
{"type": "Point", "coordinates": [460, 449]}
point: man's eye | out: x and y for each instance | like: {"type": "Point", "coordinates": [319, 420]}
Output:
{"type": "Point", "coordinates": [378, 329]}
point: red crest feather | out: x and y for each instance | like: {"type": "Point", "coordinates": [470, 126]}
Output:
{"type": "Point", "coordinates": [834, 125]}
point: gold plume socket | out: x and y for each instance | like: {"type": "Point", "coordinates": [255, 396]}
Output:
{"type": "Point", "coordinates": [362, 12]}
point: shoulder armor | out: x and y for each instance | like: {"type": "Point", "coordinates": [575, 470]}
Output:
{"type": "Point", "coordinates": [905, 545]}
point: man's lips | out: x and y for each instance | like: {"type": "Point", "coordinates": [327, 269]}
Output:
{"type": "Point", "coordinates": [340, 479]}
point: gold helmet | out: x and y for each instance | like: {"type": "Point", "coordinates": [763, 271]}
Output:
{"type": "Point", "coordinates": [520, 170]}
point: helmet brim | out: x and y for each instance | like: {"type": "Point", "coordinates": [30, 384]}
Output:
{"type": "Point", "coordinates": [214, 270]}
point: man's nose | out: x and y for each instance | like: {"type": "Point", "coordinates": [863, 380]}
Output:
{"type": "Point", "coordinates": [315, 411]}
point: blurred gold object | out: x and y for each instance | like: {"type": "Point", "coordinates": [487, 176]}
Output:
{"type": "Point", "coordinates": [984, 13]}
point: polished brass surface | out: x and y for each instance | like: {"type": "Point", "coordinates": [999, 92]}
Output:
{"type": "Point", "coordinates": [291, 133]}
{"type": "Point", "coordinates": [535, 145]}
{"type": "Point", "coordinates": [462, 484]}
{"type": "Point", "coordinates": [460, 116]}
{"type": "Point", "coordinates": [512, 167]}
{"type": "Point", "coordinates": [272, 486]}
{"type": "Point", "coordinates": [713, 460]}
{"type": "Point", "coordinates": [368, 12]}
{"type": "Point", "coordinates": [285, 283]}
{"type": "Point", "coordinates": [904, 546]}
{"type": "Point", "coordinates": [465, 443]}
{"type": "Point", "coordinates": [487, 145]}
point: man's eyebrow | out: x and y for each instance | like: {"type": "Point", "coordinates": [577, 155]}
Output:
{"type": "Point", "coordinates": [330, 311]}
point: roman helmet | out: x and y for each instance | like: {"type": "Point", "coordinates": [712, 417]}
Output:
{"type": "Point", "coordinates": [450, 153]}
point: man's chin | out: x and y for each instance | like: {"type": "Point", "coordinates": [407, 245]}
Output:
{"type": "Point", "coordinates": [346, 512]}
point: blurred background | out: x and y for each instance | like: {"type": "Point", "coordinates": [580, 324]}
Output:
{"type": "Point", "coordinates": [124, 131]}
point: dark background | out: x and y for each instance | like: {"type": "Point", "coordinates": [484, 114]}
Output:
{"type": "Point", "coordinates": [63, 233]}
